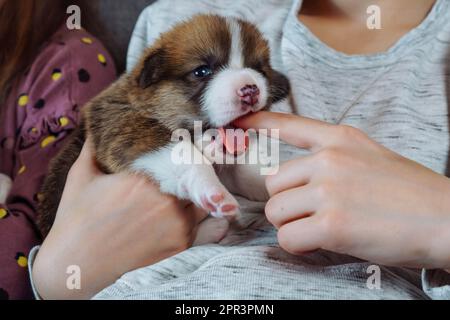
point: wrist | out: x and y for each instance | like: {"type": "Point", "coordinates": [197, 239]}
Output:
{"type": "Point", "coordinates": [440, 235]}
{"type": "Point", "coordinates": [44, 281]}
{"type": "Point", "coordinates": [56, 274]}
{"type": "Point", "coordinates": [440, 251]}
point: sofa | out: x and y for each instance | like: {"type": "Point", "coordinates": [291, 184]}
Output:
{"type": "Point", "coordinates": [114, 21]}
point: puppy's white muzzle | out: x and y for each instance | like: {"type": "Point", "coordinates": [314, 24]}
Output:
{"type": "Point", "coordinates": [233, 93]}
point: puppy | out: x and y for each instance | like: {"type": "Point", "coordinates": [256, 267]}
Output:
{"type": "Point", "coordinates": [210, 69]}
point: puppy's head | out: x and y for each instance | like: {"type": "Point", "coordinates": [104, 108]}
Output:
{"type": "Point", "coordinates": [209, 68]}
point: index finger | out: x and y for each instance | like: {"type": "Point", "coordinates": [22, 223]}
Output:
{"type": "Point", "coordinates": [299, 131]}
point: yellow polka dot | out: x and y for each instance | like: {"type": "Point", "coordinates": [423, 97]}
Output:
{"type": "Point", "coordinates": [22, 170]}
{"type": "Point", "coordinates": [3, 213]}
{"type": "Point", "coordinates": [56, 76]}
{"type": "Point", "coordinates": [47, 141]}
{"type": "Point", "coordinates": [101, 58]}
{"type": "Point", "coordinates": [39, 197]}
{"type": "Point", "coordinates": [34, 130]}
{"type": "Point", "coordinates": [22, 261]}
{"type": "Point", "coordinates": [64, 121]}
{"type": "Point", "coordinates": [87, 40]}
{"type": "Point", "coordinates": [23, 100]}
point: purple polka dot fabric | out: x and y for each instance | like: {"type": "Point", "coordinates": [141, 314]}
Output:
{"type": "Point", "coordinates": [38, 115]}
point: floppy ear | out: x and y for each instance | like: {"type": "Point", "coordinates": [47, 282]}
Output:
{"type": "Point", "coordinates": [152, 69]}
{"type": "Point", "coordinates": [279, 87]}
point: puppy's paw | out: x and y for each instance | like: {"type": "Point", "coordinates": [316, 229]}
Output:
{"type": "Point", "coordinates": [211, 231]}
{"type": "Point", "coordinates": [219, 202]}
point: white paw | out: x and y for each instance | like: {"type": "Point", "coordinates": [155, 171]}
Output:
{"type": "Point", "coordinates": [218, 202]}
{"type": "Point", "coordinates": [211, 231]}
{"type": "Point", "coordinates": [5, 187]}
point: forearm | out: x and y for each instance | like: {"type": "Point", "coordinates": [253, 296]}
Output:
{"type": "Point", "coordinates": [61, 272]}
{"type": "Point", "coordinates": [425, 234]}
{"type": "Point", "coordinates": [440, 246]}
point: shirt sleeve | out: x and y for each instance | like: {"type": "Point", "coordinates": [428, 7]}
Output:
{"type": "Point", "coordinates": [31, 258]}
{"type": "Point", "coordinates": [436, 284]}
{"type": "Point", "coordinates": [67, 73]}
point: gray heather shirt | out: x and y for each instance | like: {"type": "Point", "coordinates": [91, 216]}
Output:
{"type": "Point", "coordinates": [402, 102]}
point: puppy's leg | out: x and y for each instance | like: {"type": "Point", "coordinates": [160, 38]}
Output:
{"type": "Point", "coordinates": [188, 175]}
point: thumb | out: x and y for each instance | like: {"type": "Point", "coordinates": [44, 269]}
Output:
{"type": "Point", "coordinates": [84, 169]}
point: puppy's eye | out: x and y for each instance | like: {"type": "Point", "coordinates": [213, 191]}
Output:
{"type": "Point", "coordinates": [202, 72]}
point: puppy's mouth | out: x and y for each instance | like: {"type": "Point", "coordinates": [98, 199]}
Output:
{"type": "Point", "coordinates": [235, 141]}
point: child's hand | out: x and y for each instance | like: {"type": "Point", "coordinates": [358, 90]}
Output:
{"type": "Point", "coordinates": [353, 196]}
{"type": "Point", "coordinates": [109, 225]}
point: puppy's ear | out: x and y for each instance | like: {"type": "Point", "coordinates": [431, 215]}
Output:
{"type": "Point", "coordinates": [279, 86]}
{"type": "Point", "coordinates": [152, 69]}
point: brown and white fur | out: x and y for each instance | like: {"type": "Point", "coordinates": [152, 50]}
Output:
{"type": "Point", "coordinates": [210, 69]}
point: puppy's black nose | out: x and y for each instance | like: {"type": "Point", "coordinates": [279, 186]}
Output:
{"type": "Point", "coordinates": [249, 95]}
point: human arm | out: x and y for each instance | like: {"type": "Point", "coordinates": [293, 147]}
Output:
{"type": "Point", "coordinates": [39, 114]}
{"type": "Point", "coordinates": [109, 225]}
{"type": "Point", "coordinates": [353, 196]}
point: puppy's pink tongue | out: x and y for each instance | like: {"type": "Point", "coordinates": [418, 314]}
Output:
{"type": "Point", "coordinates": [236, 141]}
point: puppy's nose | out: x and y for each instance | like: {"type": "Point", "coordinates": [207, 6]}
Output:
{"type": "Point", "coordinates": [249, 95]}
